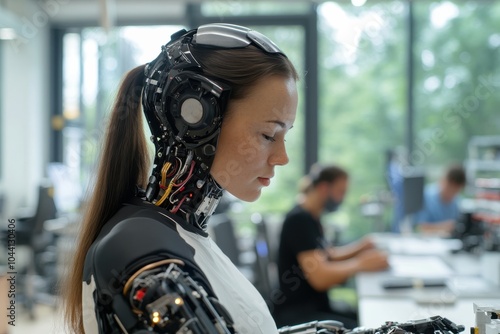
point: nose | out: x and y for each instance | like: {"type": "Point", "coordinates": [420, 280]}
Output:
{"type": "Point", "coordinates": [279, 157]}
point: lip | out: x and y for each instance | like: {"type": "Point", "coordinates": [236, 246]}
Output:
{"type": "Point", "coordinates": [266, 181]}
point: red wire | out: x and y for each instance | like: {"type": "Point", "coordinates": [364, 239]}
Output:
{"type": "Point", "coordinates": [175, 209]}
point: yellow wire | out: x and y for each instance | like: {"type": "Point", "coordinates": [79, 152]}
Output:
{"type": "Point", "coordinates": [165, 194]}
{"type": "Point", "coordinates": [164, 171]}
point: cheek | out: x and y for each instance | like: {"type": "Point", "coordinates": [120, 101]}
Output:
{"type": "Point", "coordinates": [339, 195]}
{"type": "Point", "coordinates": [229, 162]}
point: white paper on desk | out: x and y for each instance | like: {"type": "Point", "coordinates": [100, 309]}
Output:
{"type": "Point", "coordinates": [470, 285]}
{"type": "Point", "coordinates": [430, 246]}
{"type": "Point", "coordinates": [419, 266]}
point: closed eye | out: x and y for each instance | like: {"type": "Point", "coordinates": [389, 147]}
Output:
{"type": "Point", "coordinates": [269, 138]}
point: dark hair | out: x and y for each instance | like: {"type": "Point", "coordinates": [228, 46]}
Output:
{"type": "Point", "coordinates": [321, 173]}
{"type": "Point", "coordinates": [124, 161]}
{"type": "Point", "coordinates": [243, 70]}
{"type": "Point", "coordinates": [455, 174]}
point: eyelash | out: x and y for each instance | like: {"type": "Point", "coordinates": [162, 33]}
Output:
{"type": "Point", "coordinates": [269, 138]}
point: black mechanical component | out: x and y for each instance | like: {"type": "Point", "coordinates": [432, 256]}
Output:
{"type": "Point", "coordinates": [184, 111]}
{"type": "Point", "coordinates": [167, 300]}
{"type": "Point", "coordinates": [432, 325]}
{"type": "Point", "coordinates": [325, 327]}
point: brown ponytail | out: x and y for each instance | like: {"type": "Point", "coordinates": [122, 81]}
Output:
{"type": "Point", "coordinates": [123, 164]}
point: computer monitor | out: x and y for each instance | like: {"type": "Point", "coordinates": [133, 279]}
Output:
{"type": "Point", "coordinates": [413, 191]}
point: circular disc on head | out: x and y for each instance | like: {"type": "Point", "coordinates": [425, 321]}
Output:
{"type": "Point", "coordinates": [192, 111]}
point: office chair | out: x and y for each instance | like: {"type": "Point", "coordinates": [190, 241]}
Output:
{"type": "Point", "coordinates": [37, 281]}
{"type": "Point", "coordinates": [266, 268]}
{"type": "Point", "coordinates": [225, 237]}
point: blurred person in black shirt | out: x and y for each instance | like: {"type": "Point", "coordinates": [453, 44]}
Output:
{"type": "Point", "coordinates": [308, 264]}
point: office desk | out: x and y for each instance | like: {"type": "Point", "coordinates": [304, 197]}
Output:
{"type": "Point", "coordinates": [464, 285]}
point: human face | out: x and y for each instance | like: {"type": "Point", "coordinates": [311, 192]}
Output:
{"type": "Point", "coordinates": [338, 189]}
{"type": "Point", "coordinates": [252, 138]}
{"type": "Point", "coordinates": [449, 190]}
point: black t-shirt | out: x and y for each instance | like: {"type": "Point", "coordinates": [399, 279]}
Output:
{"type": "Point", "coordinates": [301, 232]}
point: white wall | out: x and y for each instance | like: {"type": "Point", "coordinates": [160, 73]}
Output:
{"type": "Point", "coordinates": [25, 108]}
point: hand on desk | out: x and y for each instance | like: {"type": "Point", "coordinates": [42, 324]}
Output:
{"type": "Point", "coordinates": [366, 243]}
{"type": "Point", "coordinates": [372, 260]}
{"type": "Point", "coordinates": [351, 250]}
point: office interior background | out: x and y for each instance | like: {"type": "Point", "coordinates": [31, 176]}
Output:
{"type": "Point", "coordinates": [418, 78]}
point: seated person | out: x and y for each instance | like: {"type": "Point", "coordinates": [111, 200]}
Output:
{"type": "Point", "coordinates": [440, 211]}
{"type": "Point", "coordinates": [308, 266]}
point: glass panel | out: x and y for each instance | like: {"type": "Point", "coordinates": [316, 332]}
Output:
{"type": "Point", "coordinates": [457, 79]}
{"type": "Point", "coordinates": [71, 77]}
{"type": "Point", "coordinates": [222, 9]}
{"type": "Point", "coordinates": [361, 102]}
{"type": "Point", "coordinates": [93, 65]}
{"type": "Point", "coordinates": [1, 120]}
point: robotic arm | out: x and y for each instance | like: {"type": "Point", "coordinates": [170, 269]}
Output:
{"type": "Point", "coordinates": [167, 300]}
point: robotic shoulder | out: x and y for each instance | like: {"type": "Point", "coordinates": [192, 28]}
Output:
{"type": "Point", "coordinates": [131, 240]}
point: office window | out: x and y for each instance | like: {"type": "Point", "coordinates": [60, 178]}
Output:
{"type": "Point", "coordinates": [362, 99]}
{"type": "Point", "coordinates": [93, 64]}
{"type": "Point", "coordinates": [1, 116]}
{"type": "Point", "coordinates": [457, 52]}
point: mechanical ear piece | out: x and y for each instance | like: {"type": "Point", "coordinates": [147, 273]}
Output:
{"type": "Point", "coordinates": [195, 104]}
{"type": "Point", "coordinates": [184, 109]}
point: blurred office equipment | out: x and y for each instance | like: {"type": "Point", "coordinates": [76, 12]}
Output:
{"type": "Point", "coordinates": [468, 229]}
{"type": "Point", "coordinates": [413, 191]}
{"type": "Point", "coordinates": [394, 179]}
{"type": "Point", "coordinates": [480, 227]}
{"type": "Point", "coordinates": [265, 268]}
{"type": "Point", "coordinates": [413, 197]}
{"type": "Point", "coordinates": [406, 184]}
{"type": "Point", "coordinates": [266, 247]}
{"type": "Point", "coordinates": [373, 207]}
{"type": "Point", "coordinates": [37, 279]}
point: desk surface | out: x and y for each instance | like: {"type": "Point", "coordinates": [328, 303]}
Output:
{"type": "Point", "coordinates": [464, 281]}
{"type": "Point", "coordinates": [464, 285]}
